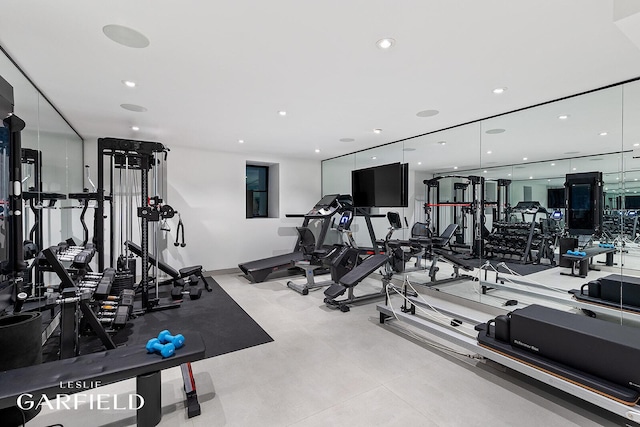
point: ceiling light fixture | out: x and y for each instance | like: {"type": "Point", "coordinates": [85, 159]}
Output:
{"type": "Point", "coordinates": [548, 180]}
{"type": "Point", "coordinates": [317, 150]}
{"type": "Point", "coordinates": [574, 169]}
{"type": "Point", "coordinates": [603, 133]}
{"type": "Point", "coordinates": [508, 174]}
{"type": "Point", "coordinates": [427, 113]}
{"type": "Point", "coordinates": [524, 158]}
{"type": "Point", "coordinates": [495, 131]}
{"type": "Point", "coordinates": [499, 90]}
{"type": "Point", "coordinates": [129, 83]}
{"type": "Point", "coordinates": [636, 144]}
{"type": "Point", "coordinates": [419, 163]}
{"type": "Point", "coordinates": [385, 43]}
{"type": "Point", "coordinates": [134, 108]}
{"type": "Point", "coordinates": [136, 128]}
{"type": "Point", "coordinates": [373, 158]}
{"type": "Point", "coordinates": [455, 167]}
{"type": "Point", "coordinates": [241, 141]}
{"type": "Point", "coordinates": [377, 130]}
{"type": "Point", "coordinates": [442, 142]}
{"type": "Point", "coordinates": [484, 171]}
{"type": "Point", "coordinates": [553, 164]}
{"type": "Point", "coordinates": [282, 113]}
{"type": "Point", "coordinates": [530, 177]}
{"type": "Point", "coordinates": [489, 152]}
{"type": "Point", "coordinates": [125, 36]}
{"type": "Point", "coordinates": [563, 116]}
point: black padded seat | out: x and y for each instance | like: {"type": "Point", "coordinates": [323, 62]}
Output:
{"type": "Point", "coordinates": [188, 271]}
{"type": "Point", "coordinates": [459, 262]}
{"type": "Point", "coordinates": [367, 267]}
{"type": "Point", "coordinates": [446, 235]}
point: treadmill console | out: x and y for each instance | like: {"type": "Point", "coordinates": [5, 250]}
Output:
{"type": "Point", "coordinates": [325, 207]}
{"type": "Point", "coordinates": [345, 221]}
{"type": "Point", "coordinates": [528, 207]}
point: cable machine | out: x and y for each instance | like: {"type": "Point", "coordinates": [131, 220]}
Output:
{"type": "Point", "coordinates": [127, 160]}
{"type": "Point", "coordinates": [475, 206]}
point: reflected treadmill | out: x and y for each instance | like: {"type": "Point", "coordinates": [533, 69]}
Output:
{"type": "Point", "coordinates": [257, 271]}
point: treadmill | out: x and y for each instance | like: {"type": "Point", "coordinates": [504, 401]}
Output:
{"type": "Point", "coordinates": [318, 220]}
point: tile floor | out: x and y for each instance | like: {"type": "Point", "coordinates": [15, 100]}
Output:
{"type": "Point", "coordinates": [327, 368]}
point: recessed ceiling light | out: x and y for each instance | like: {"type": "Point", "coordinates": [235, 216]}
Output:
{"type": "Point", "coordinates": [347, 139]}
{"type": "Point", "coordinates": [125, 36]}
{"type": "Point", "coordinates": [603, 133]}
{"type": "Point", "coordinates": [553, 164]}
{"type": "Point", "coordinates": [574, 169]}
{"type": "Point", "coordinates": [317, 150]}
{"type": "Point", "coordinates": [241, 141]}
{"type": "Point", "coordinates": [563, 116]}
{"type": "Point", "coordinates": [419, 163]}
{"type": "Point", "coordinates": [530, 177]}
{"type": "Point", "coordinates": [133, 107]}
{"type": "Point", "coordinates": [548, 180]}
{"type": "Point", "coordinates": [385, 43]}
{"type": "Point", "coordinates": [442, 142]}
{"type": "Point", "coordinates": [616, 177]}
{"type": "Point", "coordinates": [455, 167]}
{"type": "Point", "coordinates": [282, 113]}
{"type": "Point", "coordinates": [524, 158]}
{"type": "Point", "coordinates": [373, 158]}
{"type": "Point", "coordinates": [626, 191]}
{"type": "Point", "coordinates": [499, 90]}
{"type": "Point", "coordinates": [508, 174]}
{"type": "Point", "coordinates": [489, 152]}
{"type": "Point", "coordinates": [377, 130]}
{"type": "Point", "coordinates": [129, 83]}
{"type": "Point", "coordinates": [427, 113]}
{"type": "Point", "coordinates": [494, 131]}
{"type": "Point", "coordinates": [136, 128]}
{"type": "Point", "coordinates": [635, 179]}
{"type": "Point", "coordinates": [484, 171]}
{"type": "Point", "coordinates": [636, 144]}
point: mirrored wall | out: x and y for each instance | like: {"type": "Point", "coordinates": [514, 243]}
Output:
{"type": "Point", "coordinates": [501, 182]}
{"type": "Point", "coordinates": [52, 162]}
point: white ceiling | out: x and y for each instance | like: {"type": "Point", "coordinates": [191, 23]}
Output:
{"type": "Point", "coordinates": [219, 71]}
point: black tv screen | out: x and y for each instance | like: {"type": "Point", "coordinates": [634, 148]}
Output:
{"type": "Point", "coordinates": [632, 202]}
{"type": "Point", "coordinates": [381, 186]}
{"type": "Point", "coordinates": [555, 198]}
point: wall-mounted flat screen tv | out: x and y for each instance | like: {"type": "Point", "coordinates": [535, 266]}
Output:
{"type": "Point", "coordinates": [381, 186]}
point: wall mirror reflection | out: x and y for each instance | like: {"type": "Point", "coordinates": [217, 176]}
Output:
{"type": "Point", "coordinates": [517, 237]}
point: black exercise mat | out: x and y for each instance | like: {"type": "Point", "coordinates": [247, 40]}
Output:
{"type": "Point", "coordinates": [223, 324]}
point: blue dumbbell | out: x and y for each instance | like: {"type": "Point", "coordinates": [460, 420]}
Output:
{"type": "Point", "coordinates": [166, 350]}
{"type": "Point", "coordinates": [166, 337]}
{"type": "Point", "coordinates": [581, 253]}
{"type": "Point", "coordinates": [570, 252]}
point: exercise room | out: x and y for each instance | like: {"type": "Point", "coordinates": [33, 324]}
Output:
{"type": "Point", "coordinates": [344, 213]}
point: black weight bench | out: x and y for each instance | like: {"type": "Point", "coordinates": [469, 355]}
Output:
{"type": "Point", "coordinates": [98, 369]}
{"type": "Point", "coordinates": [585, 263]}
{"type": "Point", "coordinates": [166, 268]}
{"type": "Point", "coordinates": [456, 262]}
{"type": "Point", "coordinates": [349, 281]}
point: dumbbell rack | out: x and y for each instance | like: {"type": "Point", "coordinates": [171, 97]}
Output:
{"type": "Point", "coordinates": [76, 296]}
{"type": "Point", "coordinates": [516, 239]}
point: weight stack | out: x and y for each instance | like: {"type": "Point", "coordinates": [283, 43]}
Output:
{"type": "Point", "coordinates": [123, 280]}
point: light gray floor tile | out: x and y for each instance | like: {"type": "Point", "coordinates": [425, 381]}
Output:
{"type": "Point", "coordinates": [378, 407]}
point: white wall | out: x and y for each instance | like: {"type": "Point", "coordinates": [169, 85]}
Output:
{"type": "Point", "coordinates": [208, 189]}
